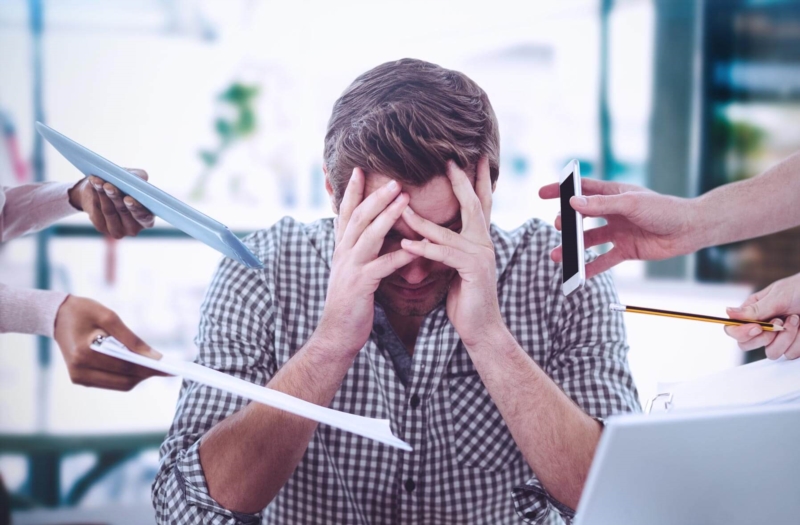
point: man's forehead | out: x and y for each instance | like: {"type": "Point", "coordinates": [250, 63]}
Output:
{"type": "Point", "coordinates": [434, 201]}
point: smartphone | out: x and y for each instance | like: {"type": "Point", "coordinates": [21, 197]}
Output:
{"type": "Point", "coordinates": [572, 263]}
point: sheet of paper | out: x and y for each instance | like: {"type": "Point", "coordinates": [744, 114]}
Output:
{"type": "Point", "coordinates": [377, 429]}
{"type": "Point", "coordinates": [760, 383]}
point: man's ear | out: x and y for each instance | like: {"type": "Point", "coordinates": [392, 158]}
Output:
{"type": "Point", "coordinates": [329, 189]}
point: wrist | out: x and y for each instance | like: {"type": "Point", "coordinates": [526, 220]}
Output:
{"type": "Point", "coordinates": [493, 335]}
{"type": "Point", "coordinates": [75, 194]}
{"type": "Point", "coordinates": [333, 343]}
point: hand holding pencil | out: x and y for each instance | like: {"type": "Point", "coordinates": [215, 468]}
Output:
{"type": "Point", "coordinates": [779, 303]}
{"type": "Point", "coordinates": [779, 300]}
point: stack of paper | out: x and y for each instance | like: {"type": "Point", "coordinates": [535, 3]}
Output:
{"type": "Point", "coordinates": [761, 383]}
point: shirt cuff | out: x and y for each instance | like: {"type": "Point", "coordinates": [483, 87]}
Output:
{"type": "Point", "coordinates": [28, 311]}
{"type": "Point", "coordinates": [534, 504]}
{"type": "Point", "coordinates": [192, 481]}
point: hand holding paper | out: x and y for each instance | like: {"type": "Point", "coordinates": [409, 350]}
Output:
{"type": "Point", "coordinates": [377, 429]}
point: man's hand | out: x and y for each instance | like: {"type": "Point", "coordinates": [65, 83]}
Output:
{"type": "Point", "coordinates": [111, 211]}
{"type": "Point", "coordinates": [78, 322]}
{"type": "Point", "coordinates": [642, 224]}
{"type": "Point", "coordinates": [357, 269]}
{"type": "Point", "coordinates": [780, 299]}
{"type": "Point", "coordinates": [472, 304]}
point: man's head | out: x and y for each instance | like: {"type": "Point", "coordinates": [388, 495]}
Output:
{"type": "Point", "coordinates": [405, 120]}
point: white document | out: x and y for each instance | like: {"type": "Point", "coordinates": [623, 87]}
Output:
{"type": "Point", "coordinates": [377, 429]}
{"type": "Point", "coordinates": [761, 383]}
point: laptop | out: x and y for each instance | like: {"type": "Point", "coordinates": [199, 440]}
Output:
{"type": "Point", "coordinates": [727, 467]}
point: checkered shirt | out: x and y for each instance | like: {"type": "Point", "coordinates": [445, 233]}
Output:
{"type": "Point", "coordinates": [465, 466]}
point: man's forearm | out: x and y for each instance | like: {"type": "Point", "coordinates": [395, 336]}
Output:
{"type": "Point", "coordinates": [556, 437]}
{"type": "Point", "coordinates": [248, 457]}
{"type": "Point", "coordinates": [750, 208]}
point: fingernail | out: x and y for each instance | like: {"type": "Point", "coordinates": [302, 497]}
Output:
{"type": "Point", "coordinates": [795, 320]}
{"type": "Point", "coordinates": [408, 211]}
{"type": "Point", "coordinates": [98, 186]}
{"type": "Point", "coordinates": [754, 331]}
{"type": "Point", "coordinates": [110, 192]}
{"type": "Point", "coordinates": [392, 185]}
{"type": "Point", "coordinates": [734, 309]}
{"type": "Point", "coordinates": [580, 201]}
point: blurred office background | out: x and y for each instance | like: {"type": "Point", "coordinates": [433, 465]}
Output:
{"type": "Point", "coordinates": [225, 104]}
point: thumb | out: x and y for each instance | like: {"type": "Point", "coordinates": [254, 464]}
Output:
{"type": "Point", "coordinates": [759, 310]}
{"type": "Point", "coordinates": [601, 205]}
{"type": "Point", "coordinates": [117, 329]}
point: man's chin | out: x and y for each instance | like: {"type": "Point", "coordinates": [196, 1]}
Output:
{"type": "Point", "coordinates": [410, 307]}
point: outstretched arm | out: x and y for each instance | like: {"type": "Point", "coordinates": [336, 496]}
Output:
{"type": "Point", "coordinates": [644, 225]}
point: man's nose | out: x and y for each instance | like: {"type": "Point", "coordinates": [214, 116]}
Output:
{"type": "Point", "coordinates": [416, 271]}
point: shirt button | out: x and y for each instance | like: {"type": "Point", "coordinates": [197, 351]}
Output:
{"type": "Point", "coordinates": [379, 329]}
{"type": "Point", "coordinates": [410, 485]}
{"type": "Point", "coordinates": [414, 401]}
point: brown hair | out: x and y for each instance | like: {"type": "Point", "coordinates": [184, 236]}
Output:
{"type": "Point", "coordinates": [406, 119]}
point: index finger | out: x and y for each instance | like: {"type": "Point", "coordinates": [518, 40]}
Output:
{"type": "Point", "coordinates": [353, 195]}
{"type": "Point", "coordinates": [483, 188]}
{"type": "Point", "coordinates": [588, 187]}
{"type": "Point", "coordinates": [471, 208]}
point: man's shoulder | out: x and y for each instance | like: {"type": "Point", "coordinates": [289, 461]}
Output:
{"type": "Point", "coordinates": [529, 243]}
{"type": "Point", "coordinates": [310, 242]}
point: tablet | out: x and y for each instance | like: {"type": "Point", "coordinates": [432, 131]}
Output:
{"type": "Point", "coordinates": [177, 213]}
{"type": "Point", "coordinates": [726, 467]}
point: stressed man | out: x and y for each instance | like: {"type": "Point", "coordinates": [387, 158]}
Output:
{"type": "Point", "coordinates": [409, 306]}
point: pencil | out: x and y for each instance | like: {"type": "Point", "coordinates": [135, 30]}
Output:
{"type": "Point", "coordinates": [768, 327]}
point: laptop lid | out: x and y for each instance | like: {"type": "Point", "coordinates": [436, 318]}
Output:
{"type": "Point", "coordinates": [731, 467]}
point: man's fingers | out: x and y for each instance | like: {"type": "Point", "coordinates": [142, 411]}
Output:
{"type": "Point", "coordinates": [558, 221]}
{"type": "Point", "coordinates": [353, 195]}
{"type": "Point", "coordinates": [483, 188]}
{"type": "Point", "coordinates": [604, 205]}
{"type": "Point", "coordinates": [597, 236]}
{"type": "Point", "coordinates": [589, 187]}
{"type": "Point", "coordinates": [556, 254]}
{"type": "Point", "coordinates": [435, 252]}
{"type": "Point", "coordinates": [550, 191]}
{"type": "Point", "coordinates": [434, 232]}
{"type": "Point", "coordinates": [604, 263]}
{"type": "Point", "coordinates": [370, 242]}
{"type": "Point", "coordinates": [366, 212]}
{"type": "Point", "coordinates": [388, 263]}
{"type": "Point", "coordinates": [471, 208]}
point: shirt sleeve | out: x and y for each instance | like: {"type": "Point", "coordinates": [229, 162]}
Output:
{"type": "Point", "coordinates": [32, 207]}
{"type": "Point", "coordinates": [234, 337]}
{"type": "Point", "coordinates": [588, 360]}
{"type": "Point", "coordinates": [27, 311]}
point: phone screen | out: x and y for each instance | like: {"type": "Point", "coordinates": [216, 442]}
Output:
{"type": "Point", "coordinates": [569, 229]}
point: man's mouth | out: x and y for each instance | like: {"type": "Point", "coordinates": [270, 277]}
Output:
{"type": "Point", "coordinates": [414, 290]}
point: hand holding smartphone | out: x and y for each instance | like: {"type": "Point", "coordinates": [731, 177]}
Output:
{"type": "Point", "coordinates": [573, 265]}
